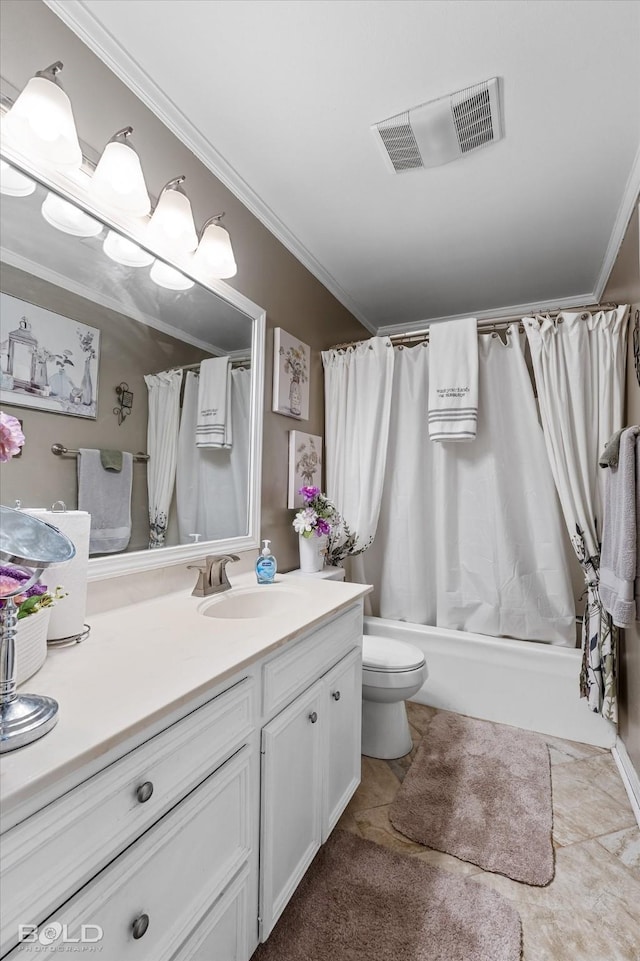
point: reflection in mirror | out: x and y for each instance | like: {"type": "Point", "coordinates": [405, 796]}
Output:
{"type": "Point", "coordinates": [81, 316]}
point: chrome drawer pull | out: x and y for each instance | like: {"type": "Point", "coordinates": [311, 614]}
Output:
{"type": "Point", "coordinates": [143, 793]}
{"type": "Point", "coordinates": [139, 926]}
{"type": "Point", "coordinates": [313, 717]}
{"type": "Point", "coordinates": [336, 695]}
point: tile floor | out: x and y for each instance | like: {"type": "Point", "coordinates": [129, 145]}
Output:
{"type": "Point", "coordinates": [591, 910]}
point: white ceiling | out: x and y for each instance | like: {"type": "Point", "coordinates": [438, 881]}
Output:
{"type": "Point", "coordinates": [278, 98]}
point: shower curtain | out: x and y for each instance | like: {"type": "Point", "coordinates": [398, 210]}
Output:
{"type": "Point", "coordinates": [211, 483]}
{"type": "Point", "coordinates": [162, 445]}
{"type": "Point", "coordinates": [579, 365]}
{"type": "Point", "coordinates": [469, 536]}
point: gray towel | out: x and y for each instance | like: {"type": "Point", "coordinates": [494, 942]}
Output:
{"type": "Point", "coordinates": [106, 495]}
{"type": "Point", "coordinates": [620, 542]}
{"type": "Point", "coordinates": [611, 452]}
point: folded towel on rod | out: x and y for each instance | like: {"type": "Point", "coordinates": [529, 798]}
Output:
{"type": "Point", "coordinates": [620, 552]}
{"type": "Point", "coordinates": [453, 380]}
{"type": "Point", "coordinates": [213, 423]}
{"type": "Point", "coordinates": [611, 453]}
{"type": "Point", "coordinates": [111, 460]}
{"type": "Point", "coordinates": [106, 495]}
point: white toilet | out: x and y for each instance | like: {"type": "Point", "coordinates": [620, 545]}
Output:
{"type": "Point", "coordinates": [392, 672]}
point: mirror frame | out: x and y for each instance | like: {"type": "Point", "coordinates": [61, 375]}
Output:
{"type": "Point", "coordinates": [72, 188]}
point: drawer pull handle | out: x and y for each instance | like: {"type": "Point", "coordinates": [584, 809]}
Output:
{"type": "Point", "coordinates": [336, 695]}
{"type": "Point", "coordinates": [143, 793]}
{"type": "Point", "coordinates": [313, 717]}
{"type": "Point", "coordinates": [139, 926]}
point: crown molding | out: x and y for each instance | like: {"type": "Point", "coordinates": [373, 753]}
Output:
{"type": "Point", "coordinates": [83, 23]}
{"type": "Point", "coordinates": [625, 210]}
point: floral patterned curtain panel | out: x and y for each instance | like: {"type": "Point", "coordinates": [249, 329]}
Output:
{"type": "Point", "coordinates": [162, 445]}
{"type": "Point", "coordinates": [579, 366]}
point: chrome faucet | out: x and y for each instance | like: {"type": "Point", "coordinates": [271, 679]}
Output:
{"type": "Point", "coordinates": [212, 578]}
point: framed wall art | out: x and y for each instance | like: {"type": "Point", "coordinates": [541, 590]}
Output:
{"type": "Point", "coordinates": [291, 362]}
{"type": "Point", "coordinates": [305, 464]}
{"type": "Point", "coordinates": [47, 361]}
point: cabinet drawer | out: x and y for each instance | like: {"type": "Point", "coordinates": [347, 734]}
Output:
{"type": "Point", "coordinates": [169, 877]}
{"type": "Point", "coordinates": [47, 857]}
{"type": "Point", "coordinates": [286, 675]}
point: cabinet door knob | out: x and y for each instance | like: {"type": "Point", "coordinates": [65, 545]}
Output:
{"type": "Point", "coordinates": [313, 717]}
{"type": "Point", "coordinates": [144, 792]}
{"type": "Point", "coordinates": [139, 926]}
{"type": "Point", "coordinates": [336, 695]}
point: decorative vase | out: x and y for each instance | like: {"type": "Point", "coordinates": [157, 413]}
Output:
{"type": "Point", "coordinates": [295, 400]}
{"type": "Point", "coordinates": [86, 386]}
{"type": "Point", "coordinates": [31, 643]}
{"type": "Point", "coordinates": [312, 553]}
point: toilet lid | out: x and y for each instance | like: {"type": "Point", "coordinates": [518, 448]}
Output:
{"type": "Point", "coordinates": [384, 654]}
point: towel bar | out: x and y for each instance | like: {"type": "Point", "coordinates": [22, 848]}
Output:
{"type": "Point", "coordinates": [60, 450]}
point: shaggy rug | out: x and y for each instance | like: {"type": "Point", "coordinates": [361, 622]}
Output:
{"type": "Point", "coordinates": [361, 902]}
{"type": "Point", "coordinates": [482, 792]}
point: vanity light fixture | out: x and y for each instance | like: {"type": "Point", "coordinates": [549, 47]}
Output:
{"type": "Point", "coordinates": [171, 226]}
{"type": "Point", "coordinates": [118, 179]}
{"type": "Point", "coordinates": [68, 218]}
{"type": "Point", "coordinates": [165, 276]}
{"type": "Point", "coordinates": [13, 183]}
{"type": "Point", "coordinates": [214, 255]}
{"type": "Point", "coordinates": [125, 251]}
{"type": "Point", "coordinates": [40, 123]}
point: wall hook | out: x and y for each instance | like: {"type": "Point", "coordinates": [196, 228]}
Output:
{"type": "Point", "coordinates": [125, 397]}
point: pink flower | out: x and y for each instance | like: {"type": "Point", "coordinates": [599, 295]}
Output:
{"type": "Point", "coordinates": [11, 437]}
{"type": "Point", "coordinates": [9, 584]}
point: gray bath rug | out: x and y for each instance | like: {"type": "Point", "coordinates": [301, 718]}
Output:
{"type": "Point", "coordinates": [482, 792]}
{"type": "Point", "coordinates": [361, 902]}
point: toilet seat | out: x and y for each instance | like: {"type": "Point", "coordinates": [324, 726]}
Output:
{"type": "Point", "coordinates": [386, 656]}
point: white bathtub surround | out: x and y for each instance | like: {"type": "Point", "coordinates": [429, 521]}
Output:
{"type": "Point", "coordinates": [521, 683]}
{"type": "Point", "coordinates": [358, 386]}
{"type": "Point", "coordinates": [453, 380]}
{"type": "Point", "coordinates": [579, 366]}
{"type": "Point", "coordinates": [162, 447]}
{"type": "Point", "coordinates": [470, 535]}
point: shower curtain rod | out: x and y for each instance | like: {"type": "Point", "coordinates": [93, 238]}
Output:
{"type": "Point", "coordinates": [241, 361]}
{"type": "Point", "coordinates": [487, 326]}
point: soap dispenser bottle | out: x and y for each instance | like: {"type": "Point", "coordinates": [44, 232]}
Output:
{"type": "Point", "coordinates": [266, 565]}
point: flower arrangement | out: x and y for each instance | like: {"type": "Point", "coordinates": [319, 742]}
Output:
{"type": "Point", "coordinates": [11, 437]}
{"type": "Point", "coordinates": [34, 599]}
{"type": "Point", "coordinates": [343, 543]}
{"type": "Point", "coordinates": [295, 364]}
{"type": "Point", "coordinates": [318, 514]}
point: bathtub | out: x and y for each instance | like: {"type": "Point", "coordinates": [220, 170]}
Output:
{"type": "Point", "coordinates": [522, 683]}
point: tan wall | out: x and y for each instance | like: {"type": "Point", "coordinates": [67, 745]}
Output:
{"type": "Point", "coordinates": [128, 350]}
{"type": "Point", "coordinates": [33, 37]}
{"type": "Point", "coordinates": [624, 287]}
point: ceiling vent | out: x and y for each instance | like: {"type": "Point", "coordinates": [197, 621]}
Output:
{"type": "Point", "coordinates": [443, 130]}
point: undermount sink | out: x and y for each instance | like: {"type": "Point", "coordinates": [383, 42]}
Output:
{"type": "Point", "coordinates": [265, 601]}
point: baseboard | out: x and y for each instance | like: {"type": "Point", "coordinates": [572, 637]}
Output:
{"type": "Point", "coordinates": [629, 776]}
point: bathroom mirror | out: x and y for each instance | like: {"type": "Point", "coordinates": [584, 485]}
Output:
{"type": "Point", "coordinates": [51, 279]}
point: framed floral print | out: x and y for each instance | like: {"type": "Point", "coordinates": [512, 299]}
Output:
{"type": "Point", "coordinates": [291, 360]}
{"type": "Point", "coordinates": [305, 464]}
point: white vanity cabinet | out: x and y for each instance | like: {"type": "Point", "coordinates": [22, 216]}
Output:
{"type": "Point", "coordinates": [310, 762]}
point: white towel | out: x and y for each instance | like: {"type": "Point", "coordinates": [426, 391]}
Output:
{"type": "Point", "coordinates": [620, 542]}
{"type": "Point", "coordinates": [213, 425]}
{"type": "Point", "coordinates": [453, 380]}
{"type": "Point", "coordinates": [106, 495]}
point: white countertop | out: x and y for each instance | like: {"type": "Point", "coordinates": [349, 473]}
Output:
{"type": "Point", "coordinates": [140, 664]}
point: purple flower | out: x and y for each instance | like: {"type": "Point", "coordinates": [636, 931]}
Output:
{"type": "Point", "coordinates": [322, 527]}
{"type": "Point", "coordinates": [308, 493]}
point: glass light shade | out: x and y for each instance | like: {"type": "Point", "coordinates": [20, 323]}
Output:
{"type": "Point", "coordinates": [13, 183]}
{"type": "Point", "coordinates": [171, 226]}
{"type": "Point", "coordinates": [118, 180]}
{"type": "Point", "coordinates": [165, 276]}
{"type": "Point", "coordinates": [41, 125]}
{"type": "Point", "coordinates": [125, 251]}
{"type": "Point", "coordinates": [69, 219]}
{"type": "Point", "coordinates": [214, 255]}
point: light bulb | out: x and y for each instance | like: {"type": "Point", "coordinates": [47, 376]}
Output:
{"type": "Point", "coordinates": [40, 123]}
{"type": "Point", "coordinates": [214, 255]}
{"type": "Point", "coordinates": [165, 276]}
{"type": "Point", "coordinates": [171, 226]}
{"type": "Point", "coordinates": [13, 183]}
{"type": "Point", "coordinates": [118, 179]}
{"type": "Point", "coordinates": [125, 251]}
{"type": "Point", "coordinates": [68, 218]}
